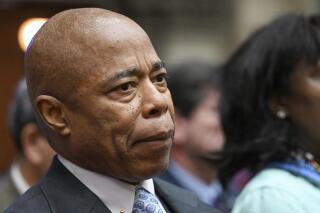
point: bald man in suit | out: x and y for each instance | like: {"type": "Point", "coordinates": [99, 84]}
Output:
{"type": "Point", "coordinates": [100, 92]}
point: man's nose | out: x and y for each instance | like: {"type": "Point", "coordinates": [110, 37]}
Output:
{"type": "Point", "coordinates": [154, 102]}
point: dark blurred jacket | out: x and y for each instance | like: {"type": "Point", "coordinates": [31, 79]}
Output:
{"type": "Point", "coordinates": [8, 192]}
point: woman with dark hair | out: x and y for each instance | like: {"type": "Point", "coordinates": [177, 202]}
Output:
{"type": "Point", "coordinates": [270, 112]}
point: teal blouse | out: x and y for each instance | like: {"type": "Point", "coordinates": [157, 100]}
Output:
{"type": "Point", "coordinates": [278, 191]}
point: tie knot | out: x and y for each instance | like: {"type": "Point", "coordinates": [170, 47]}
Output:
{"type": "Point", "coordinates": [145, 202]}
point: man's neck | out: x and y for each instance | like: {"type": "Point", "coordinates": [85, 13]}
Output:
{"type": "Point", "coordinates": [28, 172]}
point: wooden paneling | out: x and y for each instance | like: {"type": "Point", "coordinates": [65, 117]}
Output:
{"type": "Point", "coordinates": [11, 71]}
{"type": "Point", "coordinates": [11, 58]}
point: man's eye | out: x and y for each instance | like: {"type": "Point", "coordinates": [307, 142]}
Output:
{"type": "Point", "coordinates": [123, 92]}
{"type": "Point", "coordinates": [125, 87]}
{"type": "Point", "coordinates": [162, 78]}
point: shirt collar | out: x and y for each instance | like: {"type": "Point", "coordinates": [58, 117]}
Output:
{"type": "Point", "coordinates": [18, 180]}
{"type": "Point", "coordinates": [115, 194]}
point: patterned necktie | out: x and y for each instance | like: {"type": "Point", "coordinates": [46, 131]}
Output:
{"type": "Point", "coordinates": [145, 202]}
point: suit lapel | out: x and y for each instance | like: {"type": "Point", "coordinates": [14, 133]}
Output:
{"type": "Point", "coordinates": [65, 193]}
{"type": "Point", "coordinates": [99, 207]}
{"type": "Point", "coordinates": [175, 199]}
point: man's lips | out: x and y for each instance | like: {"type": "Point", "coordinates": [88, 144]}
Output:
{"type": "Point", "coordinates": [160, 136]}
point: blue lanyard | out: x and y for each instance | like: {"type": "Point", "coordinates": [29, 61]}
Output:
{"type": "Point", "coordinates": [299, 168]}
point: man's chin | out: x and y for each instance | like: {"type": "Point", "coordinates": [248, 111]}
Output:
{"type": "Point", "coordinates": [148, 172]}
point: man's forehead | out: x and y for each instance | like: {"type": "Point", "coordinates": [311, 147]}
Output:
{"type": "Point", "coordinates": [114, 60]}
{"type": "Point", "coordinates": [112, 37]}
{"type": "Point", "coordinates": [67, 48]}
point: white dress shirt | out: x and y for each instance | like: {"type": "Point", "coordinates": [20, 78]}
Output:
{"type": "Point", "coordinates": [117, 195]}
{"type": "Point", "coordinates": [18, 180]}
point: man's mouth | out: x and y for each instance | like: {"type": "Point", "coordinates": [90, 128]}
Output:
{"type": "Point", "coordinates": [158, 137]}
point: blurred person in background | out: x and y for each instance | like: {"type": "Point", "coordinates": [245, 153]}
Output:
{"type": "Point", "coordinates": [270, 110]}
{"type": "Point", "coordinates": [195, 92]}
{"type": "Point", "coordinates": [34, 155]}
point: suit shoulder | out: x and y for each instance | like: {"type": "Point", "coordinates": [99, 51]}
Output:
{"type": "Point", "coordinates": [4, 181]}
{"type": "Point", "coordinates": [33, 201]}
{"type": "Point", "coordinates": [8, 192]}
{"type": "Point", "coordinates": [183, 200]}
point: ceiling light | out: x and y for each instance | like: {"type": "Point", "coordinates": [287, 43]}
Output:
{"type": "Point", "coordinates": [28, 29]}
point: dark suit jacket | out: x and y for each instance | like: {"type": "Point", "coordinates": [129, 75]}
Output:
{"type": "Point", "coordinates": [61, 192]}
{"type": "Point", "coordinates": [8, 192]}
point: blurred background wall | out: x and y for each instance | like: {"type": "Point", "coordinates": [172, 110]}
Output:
{"type": "Point", "coordinates": [207, 30]}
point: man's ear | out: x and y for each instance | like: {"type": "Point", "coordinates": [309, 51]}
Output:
{"type": "Point", "coordinates": [278, 106]}
{"type": "Point", "coordinates": [52, 112]}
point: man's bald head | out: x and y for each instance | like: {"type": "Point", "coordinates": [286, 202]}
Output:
{"type": "Point", "coordinates": [69, 44]}
{"type": "Point", "coordinates": [100, 88]}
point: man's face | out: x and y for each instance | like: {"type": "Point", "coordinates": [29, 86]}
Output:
{"type": "Point", "coordinates": [204, 129]}
{"type": "Point", "coordinates": [122, 125]}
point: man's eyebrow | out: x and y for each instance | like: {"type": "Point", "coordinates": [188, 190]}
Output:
{"type": "Point", "coordinates": [125, 73]}
{"type": "Point", "coordinates": [158, 65]}
{"type": "Point", "coordinates": [134, 70]}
